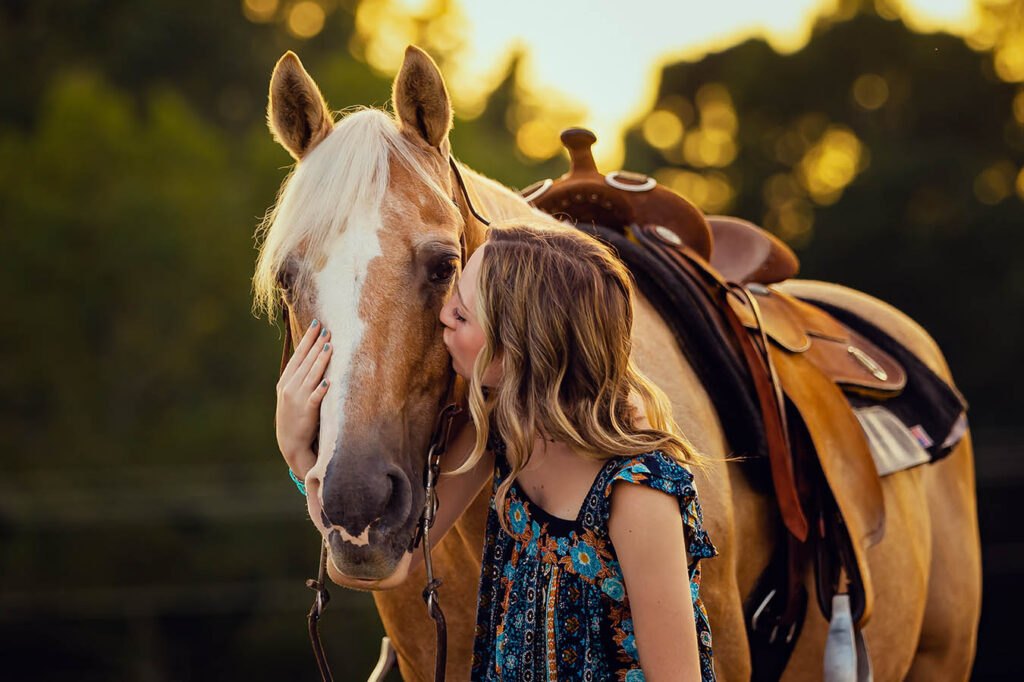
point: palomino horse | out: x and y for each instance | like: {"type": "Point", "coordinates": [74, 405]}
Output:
{"type": "Point", "coordinates": [365, 236]}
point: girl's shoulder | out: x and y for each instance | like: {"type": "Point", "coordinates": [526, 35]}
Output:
{"type": "Point", "coordinates": [654, 470]}
{"type": "Point", "coordinates": [661, 472]}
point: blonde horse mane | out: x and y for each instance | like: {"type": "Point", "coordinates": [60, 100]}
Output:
{"type": "Point", "coordinates": [346, 172]}
{"type": "Point", "coordinates": [349, 170]}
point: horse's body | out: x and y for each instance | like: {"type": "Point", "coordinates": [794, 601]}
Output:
{"type": "Point", "coordinates": [926, 571]}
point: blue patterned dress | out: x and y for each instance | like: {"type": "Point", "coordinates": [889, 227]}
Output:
{"type": "Point", "coordinates": [553, 605]}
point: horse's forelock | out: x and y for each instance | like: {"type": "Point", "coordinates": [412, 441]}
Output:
{"type": "Point", "coordinates": [346, 174]}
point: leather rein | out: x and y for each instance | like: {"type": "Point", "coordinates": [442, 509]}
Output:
{"type": "Point", "coordinates": [438, 444]}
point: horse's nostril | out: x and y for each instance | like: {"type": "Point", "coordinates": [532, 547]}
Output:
{"type": "Point", "coordinates": [399, 496]}
{"type": "Point", "coordinates": [356, 500]}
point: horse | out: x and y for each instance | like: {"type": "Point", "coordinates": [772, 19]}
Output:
{"type": "Point", "coordinates": [367, 234]}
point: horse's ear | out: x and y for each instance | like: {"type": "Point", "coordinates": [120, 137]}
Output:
{"type": "Point", "coordinates": [421, 99]}
{"type": "Point", "coordinates": [297, 114]}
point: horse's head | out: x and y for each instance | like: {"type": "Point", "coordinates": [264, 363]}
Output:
{"type": "Point", "coordinates": [366, 236]}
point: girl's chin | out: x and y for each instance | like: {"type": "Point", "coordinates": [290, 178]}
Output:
{"type": "Point", "coordinates": [458, 370]}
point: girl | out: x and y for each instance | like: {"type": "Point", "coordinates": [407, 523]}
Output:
{"type": "Point", "coordinates": [594, 524]}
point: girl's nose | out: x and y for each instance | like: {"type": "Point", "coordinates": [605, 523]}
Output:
{"type": "Point", "coordinates": [445, 315]}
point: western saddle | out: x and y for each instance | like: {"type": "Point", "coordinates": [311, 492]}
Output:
{"type": "Point", "coordinates": [798, 361]}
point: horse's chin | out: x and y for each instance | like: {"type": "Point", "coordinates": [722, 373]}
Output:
{"type": "Point", "coordinates": [375, 560]}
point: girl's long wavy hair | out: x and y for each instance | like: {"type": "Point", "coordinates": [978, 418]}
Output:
{"type": "Point", "coordinates": [556, 306]}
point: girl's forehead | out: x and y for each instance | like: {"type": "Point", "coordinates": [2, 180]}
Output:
{"type": "Point", "coordinates": [467, 282]}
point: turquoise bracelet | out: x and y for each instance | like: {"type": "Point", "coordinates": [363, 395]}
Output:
{"type": "Point", "coordinates": [298, 484]}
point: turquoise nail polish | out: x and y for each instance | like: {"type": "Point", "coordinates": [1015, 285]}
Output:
{"type": "Point", "coordinates": [326, 346]}
{"type": "Point", "coordinates": [324, 382]}
{"type": "Point", "coordinates": [313, 324]}
{"type": "Point", "coordinates": [324, 332]}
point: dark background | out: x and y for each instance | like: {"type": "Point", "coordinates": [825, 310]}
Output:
{"type": "Point", "coordinates": [147, 528]}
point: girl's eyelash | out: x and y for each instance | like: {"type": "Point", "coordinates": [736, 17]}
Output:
{"type": "Point", "coordinates": [459, 317]}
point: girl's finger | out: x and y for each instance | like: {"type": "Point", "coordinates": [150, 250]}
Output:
{"type": "Point", "coordinates": [311, 335]}
{"type": "Point", "coordinates": [318, 393]}
{"type": "Point", "coordinates": [310, 353]}
{"type": "Point", "coordinates": [316, 370]}
{"type": "Point", "coordinates": [322, 344]}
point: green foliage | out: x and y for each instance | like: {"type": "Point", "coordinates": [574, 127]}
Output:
{"type": "Point", "coordinates": [128, 246]}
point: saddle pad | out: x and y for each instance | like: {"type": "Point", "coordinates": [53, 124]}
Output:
{"type": "Point", "coordinates": [893, 446]}
{"type": "Point", "coordinates": [932, 409]}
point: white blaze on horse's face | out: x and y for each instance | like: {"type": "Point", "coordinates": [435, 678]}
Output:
{"type": "Point", "coordinates": [339, 287]}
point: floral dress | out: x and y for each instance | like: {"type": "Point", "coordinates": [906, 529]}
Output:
{"type": "Point", "coordinates": [553, 605]}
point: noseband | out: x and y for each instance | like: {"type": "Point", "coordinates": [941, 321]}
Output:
{"type": "Point", "coordinates": [438, 444]}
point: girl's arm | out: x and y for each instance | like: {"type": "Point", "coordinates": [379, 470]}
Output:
{"type": "Point", "coordinates": [646, 529]}
{"type": "Point", "coordinates": [455, 492]}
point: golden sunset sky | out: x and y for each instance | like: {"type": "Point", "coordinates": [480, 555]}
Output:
{"type": "Point", "coordinates": [595, 63]}
{"type": "Point", "coordinates": [604, 56]}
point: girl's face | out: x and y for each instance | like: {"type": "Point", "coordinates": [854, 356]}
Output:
{"type": "Point", "coordinates": [463, 335]}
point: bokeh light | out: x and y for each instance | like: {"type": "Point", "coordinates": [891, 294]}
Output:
{"type": "Point", "coordinates": [995, 183]}
{"type": "Point", "coordinates": [1009, 60]}
{"type": "Point", "coordinates": [259, 11]}
{"type": "Point", "coordinates": [711, 191]}
{"type": "Point", "coordinates": [713, 142]}
{"type": "Point", "coordinates": [870, 91]}
{"type": "Point", "coordinates": [538, 139]}
{"type": "Point", "coordinates": [831, 164]}
{"type": "Point", "coordinates": [306, 19]}
{"type": "Point", "coordinates": [789, 213]}
{"type": "Point", "coordinates": [382, 35]}
{"type": "Point", "coordinates": [662, 129]}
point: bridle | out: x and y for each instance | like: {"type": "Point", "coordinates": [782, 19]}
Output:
{"type": "Point", "coordinates": [438, 444]}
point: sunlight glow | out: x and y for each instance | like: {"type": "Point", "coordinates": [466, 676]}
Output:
{"type": "Point", "coordinates": [605, 55]}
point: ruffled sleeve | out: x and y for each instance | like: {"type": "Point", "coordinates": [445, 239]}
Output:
{"type": "Point", "coordinates": [659, 471]}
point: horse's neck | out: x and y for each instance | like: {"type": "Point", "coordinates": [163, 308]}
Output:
{"type": "Point", "coordinates": [496, 202]}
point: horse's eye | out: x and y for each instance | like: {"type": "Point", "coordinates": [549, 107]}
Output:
{"type": "Point", "coordinates": [444, 271]}
{"type": "Point", "coordinates": [285, 279]}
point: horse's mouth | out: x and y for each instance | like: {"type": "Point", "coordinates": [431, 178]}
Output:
{"type": "Point", "coordinates": [366, 557]}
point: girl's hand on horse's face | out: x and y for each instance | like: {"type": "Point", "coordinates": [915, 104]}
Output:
{"type": "Point", "coordinates": [300, 390]}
